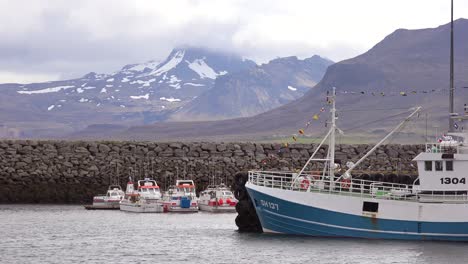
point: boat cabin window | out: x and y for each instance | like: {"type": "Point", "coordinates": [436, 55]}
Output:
{"type": "Point", "coordinates": [370, 207]}
{"type": "Point", "coordinates": [227, 193]}
{"type": "Point", "coordinates": [439, 165]}
{"type": "Point", "coordinates": [186, 189]}
{"type": "Point", "coordinates": [428, 165]}
{"type": "Point", "coordinates": [449, 165]}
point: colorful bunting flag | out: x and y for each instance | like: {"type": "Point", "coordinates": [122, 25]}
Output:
{"type": "Point", "coordinates": [301, 131]}
{"type": "Point", "coordinates": [315, 117]}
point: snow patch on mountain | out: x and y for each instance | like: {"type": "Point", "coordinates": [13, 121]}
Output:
{"type": "Point", "coordinates": [176, 86]}
{"type": "Point", "coordinates": [47, 90]}
{"type": "Point", "coordinates": [172, 99]}
{"type": "Point", "coordinates": [292, 88]}
{"type": "Point", "coordinates": [50, 107]}
{"type": "Point", "coordinates": [144, 83]}
{"type": "Point", "coordinates": [141, 67]}
{"type": "Point", "coordinates": [172, 63]}
{"type": "Point", "coordinates": [173, 79]}
{"type": "Point", "coordinates": [79, 90]}
{"type": "Point", "coordinates": [104, 90]}
{"type": "Point", "coordinates": [146, 96]}
{"type": "Point", "coordinates": [202, 69]}
{"type": "Point", "coordinates": [110, 80]}
{"type": "Point", "coordinates": [194, 84]}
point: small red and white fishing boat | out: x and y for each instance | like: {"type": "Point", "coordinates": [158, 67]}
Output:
{"type": "Point", "coordinates": [217, 199]}
{"type": "Point", "coordinates": [110, 200]}
{"type": "Point", "coordinates": [146, 199]}
{"type": "Point", "coordinates": [181, 197]}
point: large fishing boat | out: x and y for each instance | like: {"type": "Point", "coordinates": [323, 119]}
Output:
{"type": "Point", "coordinates": [146, 199]}
{"type": "Point", "coordinates": [217, 199]}
{"type": "Point", "coordinates": [434, 207]}
{"type": "Point", "coordinates": [181, 197]}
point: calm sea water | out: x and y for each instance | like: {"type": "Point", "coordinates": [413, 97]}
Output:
{"type": "Point", "coordinates": [71, 234]}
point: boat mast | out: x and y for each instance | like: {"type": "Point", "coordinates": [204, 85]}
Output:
{"type": "Point", "coordinates": [331, 146]}
{"type": "Point", "coordinates": [452, 88]}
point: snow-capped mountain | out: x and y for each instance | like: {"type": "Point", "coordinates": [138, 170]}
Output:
{"type": "Point", "coordinates": [136, 94]}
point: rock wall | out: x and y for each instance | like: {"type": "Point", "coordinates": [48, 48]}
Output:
{"type": "Point", "coordinates": [72, 172]}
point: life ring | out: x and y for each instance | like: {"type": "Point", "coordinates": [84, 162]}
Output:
{"type": "Point", "coordinates": [345, 183]}
{"type": "Point", "coordinates": [305, 184]}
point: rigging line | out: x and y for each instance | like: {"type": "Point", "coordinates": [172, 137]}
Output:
{"type": "Point", "coordinates": [367, 109]}
{"type": "Point", "coordinates": [377, 120]}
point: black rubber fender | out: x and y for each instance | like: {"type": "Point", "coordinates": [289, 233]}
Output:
{"type": "Point", "coordinates": [241, 178]}
{"type": "Point", "coordinates": [240, 193]}
{"type": "Point", "coordinates": [243, 207]}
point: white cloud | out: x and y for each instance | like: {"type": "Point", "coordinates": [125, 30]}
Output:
{"type": "Point", "coordinates": [18, 77]}
{"type": "Point", "coordinates": [70, 38]}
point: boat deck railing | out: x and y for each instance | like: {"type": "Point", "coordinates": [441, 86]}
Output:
{"type": "Point", "coordinates": [444, 148]}
{"type": "Point", "coordinates": [310, 182]}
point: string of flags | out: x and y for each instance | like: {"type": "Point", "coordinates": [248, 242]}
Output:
{"type": "Point", "coordinates": [302, 131]}
{"type": "Point", "coordinates": [316, 116]}
{"type": "Point", "coordinates": [394, 93]}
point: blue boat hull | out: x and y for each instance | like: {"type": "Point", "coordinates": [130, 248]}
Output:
{"type": "Point", "coordinates": [281, 216]}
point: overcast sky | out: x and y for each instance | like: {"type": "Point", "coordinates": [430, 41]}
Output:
{"type": "Point", "coordinates": [60, 39]}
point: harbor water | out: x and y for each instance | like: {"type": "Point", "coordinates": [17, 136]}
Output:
{"type": "Point", "coordinates": [71, 234]}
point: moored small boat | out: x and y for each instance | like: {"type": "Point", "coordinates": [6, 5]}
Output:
{"type": "Point", "coordinates": [146, 199]}
{"type": "Point", "coordinates": [110, 200]}
{"type": "Point", "coordinates": [217, 199]}
{"type": "Point", "coordinates": [181, 197]}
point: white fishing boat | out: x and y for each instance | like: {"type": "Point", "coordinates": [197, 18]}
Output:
{"type": "Point", "coordinates": [146, 199]}
{"type": "Point", "coordinates": [434, 207]}
{"type": "Point", "coordinates": [181, 197]}
{"type": "Point", "coordinates": [110, 200]}
{"type": "Point", "coordinates": [217, 199]}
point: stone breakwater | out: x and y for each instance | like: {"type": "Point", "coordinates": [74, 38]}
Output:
{"type": "Point", "coordinates": [75, 171]}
